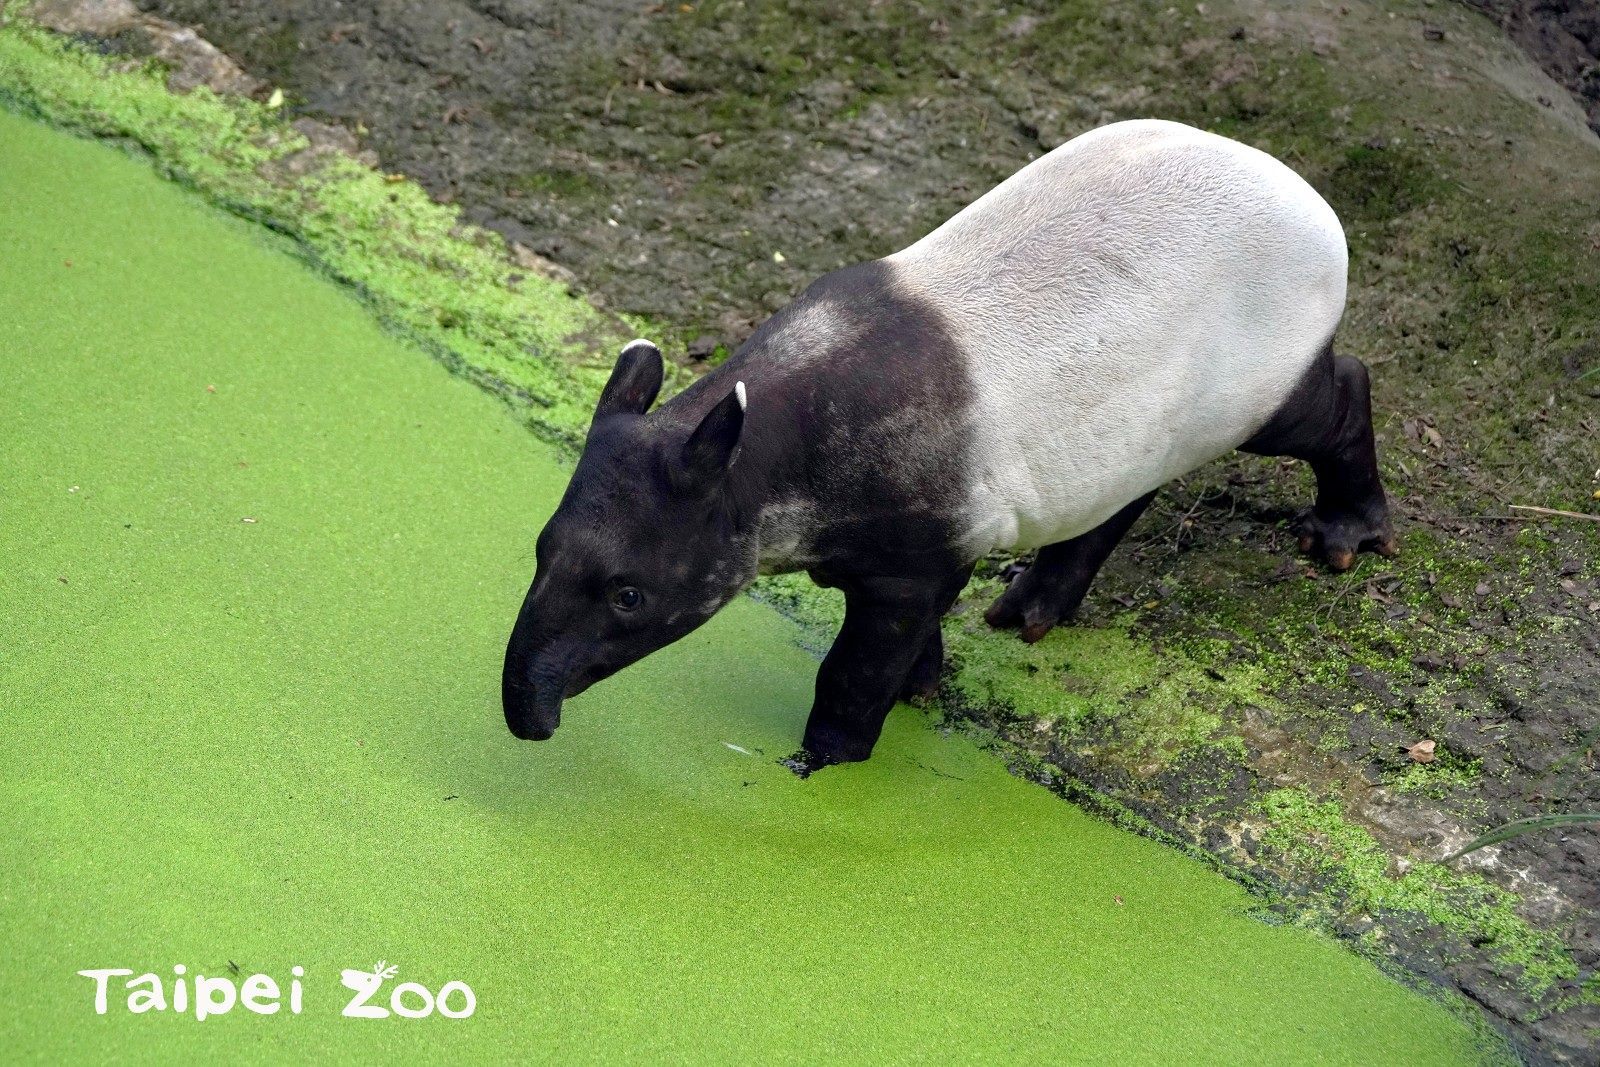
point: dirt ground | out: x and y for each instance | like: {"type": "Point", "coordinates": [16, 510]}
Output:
{"type": "Point", "coordinates": [1563, 36]}
{"type": "Point", "coordinates": [696, 165]}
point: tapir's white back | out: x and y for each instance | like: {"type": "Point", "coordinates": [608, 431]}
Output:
{"type": "Point", "coordinates": [1131, 305]}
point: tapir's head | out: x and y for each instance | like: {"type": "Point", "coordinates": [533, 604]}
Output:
{"type": "Point", "coordinates": [643, 549]}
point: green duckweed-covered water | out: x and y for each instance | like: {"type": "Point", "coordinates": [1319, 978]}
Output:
{"type": "Point", "coordinates": [277, 742]}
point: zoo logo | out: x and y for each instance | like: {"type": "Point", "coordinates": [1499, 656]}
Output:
{"type": "Point", "coordinates": [259, 993]}
{"type": "Point", "coordinates": [367, 983]}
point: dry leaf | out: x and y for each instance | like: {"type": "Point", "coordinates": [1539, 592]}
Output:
{"type": "Point", "coordinates": [1422, 751]}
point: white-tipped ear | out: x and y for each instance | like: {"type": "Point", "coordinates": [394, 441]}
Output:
{"type": "Point", "coordinates": [636, 342]}
{"type": "Point", "coordinates": [714, 444]}
{"type": "Point", "coordinates": [634, 383]}
{"type": "Point", "coordinates": [744, 400]}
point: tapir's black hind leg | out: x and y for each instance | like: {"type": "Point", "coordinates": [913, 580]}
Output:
{"type": "Point", "coordinates": [1327, 421]}
{"type": "Point", "coordinates": [1051, 589]}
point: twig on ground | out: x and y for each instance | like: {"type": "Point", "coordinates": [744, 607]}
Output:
{"type": "Point", "coordinates": [1552, 511]}
{"type": "Point", "coordinates": [1183, 522]}
{"type": "Point", "coordinates": [1355, 578]}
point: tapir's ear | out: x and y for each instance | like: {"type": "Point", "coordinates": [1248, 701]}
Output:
{"type": "Point", "coordinates": [714, 445]}
{"type": "Point", "coordinates": [634, 382]}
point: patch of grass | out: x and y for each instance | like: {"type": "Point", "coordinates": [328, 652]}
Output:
{"type": "Point", "coordinates": [1374, 184]}
{"type": "Point", "coordinates": [820, 612]}
{"type": "Point", "coordinates": [1314, 840]}
{"type": "Point", "coordinates": [1105, 686]}
{"type": "Point", "coordinates": [1446, 774]}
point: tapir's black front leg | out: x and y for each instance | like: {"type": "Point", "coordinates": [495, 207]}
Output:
{"type": "Point", "coordinates": [887, 625]}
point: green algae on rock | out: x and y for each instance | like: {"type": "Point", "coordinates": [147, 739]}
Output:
{"type": "Point", "coordinates": [1316, 838]}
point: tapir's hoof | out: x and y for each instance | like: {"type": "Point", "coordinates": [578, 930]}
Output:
{"type": "Point", "coordinates": [920, 690]}
{"type": "Point", "coordinates": [1339, 538]}
{"type": "Point", "coordinates": [805, 762]}
{"type": "Point", "coordinates": [922, 681]}
{"type": "Point", "coordinates": [829, 740]}
{"type": "Point", "coordinates": [1021, 607]}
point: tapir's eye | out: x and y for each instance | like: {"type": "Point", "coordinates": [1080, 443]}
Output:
{"type": "Point", "coordinates": [627, 598]}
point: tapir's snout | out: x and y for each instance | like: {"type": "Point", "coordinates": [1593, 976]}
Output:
{"type": "Point", "coordinates": [533, 683]}
{"type": "Point", "coordinates": [539, 676]}
{"type": "Point", "coordinates": [531, 718]}
{"type": "Point", "coordinates": [532, 701]}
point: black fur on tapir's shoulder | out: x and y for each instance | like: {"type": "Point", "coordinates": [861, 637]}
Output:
{"type": "Point", "coordinates": [857, 429]}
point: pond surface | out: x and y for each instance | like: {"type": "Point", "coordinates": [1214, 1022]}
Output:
{"type": "Point", "coordinates": [258, 561]}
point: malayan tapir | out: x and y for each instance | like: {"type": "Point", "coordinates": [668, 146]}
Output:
{"type": "Point", "coordinates": [1133, 304]}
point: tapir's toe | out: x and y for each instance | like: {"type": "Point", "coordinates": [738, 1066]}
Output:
{"type": "Point", "coordinates": [804, 764]}
{"type": "Point", "coordinates": [1340, 536]}
{"type": "Point", "coordinates": [1034, 631]}
{"type": "Point", "coordinates": [1003, 614]}
{"type": "Point", "coordinates": [815, 756]}
{"type": "Point", "coordinates": [1027, 608]}
{"type": "Point", "coordinates": [920, 687]}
